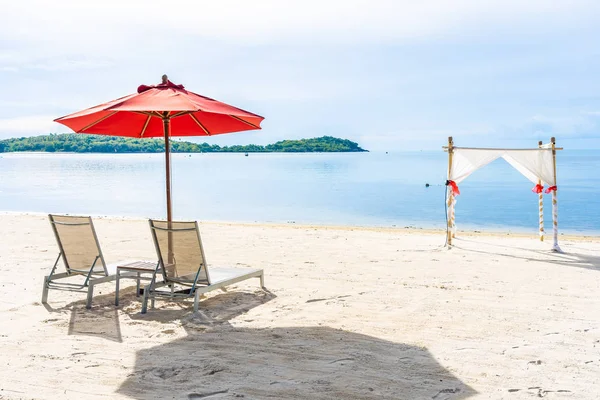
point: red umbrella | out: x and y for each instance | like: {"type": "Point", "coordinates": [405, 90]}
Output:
{"type": "Point", "coordinates": [163, 110]}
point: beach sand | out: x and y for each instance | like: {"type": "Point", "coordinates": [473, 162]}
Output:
{"type": "Point", "coordinates": [350, 313]}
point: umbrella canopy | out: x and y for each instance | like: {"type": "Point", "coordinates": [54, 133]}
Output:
{"type": "Point", "coordinates": [142, 115]}
{"type": "Point", "coordinates": [162, 110]}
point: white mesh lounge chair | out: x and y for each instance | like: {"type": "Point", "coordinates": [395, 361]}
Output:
{"type": "Point", "coordinates": [183, 266]}
{"type": "Point", "coordinates": [82, 257]}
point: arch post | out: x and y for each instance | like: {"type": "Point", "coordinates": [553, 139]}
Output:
{"type": "Point", "coordinates": [555, 246]}
{"type": "Point", "coordinates": [541, 205]}
{"type": "Point", "coordinates": [451, 200]}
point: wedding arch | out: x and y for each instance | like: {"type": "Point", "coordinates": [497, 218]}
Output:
{"type": "Point", "coordinates": [536, 164]}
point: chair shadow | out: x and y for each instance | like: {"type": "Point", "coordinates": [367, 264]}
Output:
{"type": "Point", "coordinates": [102, 320]}
{"type": "Point", "coordinates": [214, 310]}
{"type": "Point", "coordinates": [567, 259]}
{"type": "Point", "coordinates": [288, 362]}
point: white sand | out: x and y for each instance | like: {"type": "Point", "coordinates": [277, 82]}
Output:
{"type": "Point", "coordinates": [351, 314]}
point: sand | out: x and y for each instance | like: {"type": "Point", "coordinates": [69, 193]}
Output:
{"type": "Point", "coordinates": [350, 313]}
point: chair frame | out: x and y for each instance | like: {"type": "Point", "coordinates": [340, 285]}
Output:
{"type": "Point", "coordinates": [195, 290]}
{"type": "Point", "coordinates": [50, 281]}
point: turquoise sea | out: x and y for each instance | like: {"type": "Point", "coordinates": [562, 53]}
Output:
{"type": "Point", "coordinates": [369, 189]}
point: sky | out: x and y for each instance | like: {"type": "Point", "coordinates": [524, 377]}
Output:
{"type": "Point", "coordinates": [390, 75]}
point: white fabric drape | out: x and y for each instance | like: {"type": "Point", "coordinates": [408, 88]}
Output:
{"type": "Point", "coordinates": [534, 164]}
{"type": "Point", "coordinates": [467, 161]}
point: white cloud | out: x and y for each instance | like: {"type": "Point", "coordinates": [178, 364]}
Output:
{"type": "Point", "coordinates": [569, 125]}
{"type": "Point", "coordinates": [306, 64]}
{"type": "Point", "coordinates": [419, 138]}
{"type": "Point", "coordinates": [28, 125]}
{"type": "Point", "coordinates": [68, 65]}
{"type": "Point", "coordinates": [99, 26]}
{"type": "Point", "coordinates": [70, 35]}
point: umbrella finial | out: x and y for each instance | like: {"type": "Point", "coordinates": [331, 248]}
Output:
{"type": "Point", "coordinates": [165, 79]}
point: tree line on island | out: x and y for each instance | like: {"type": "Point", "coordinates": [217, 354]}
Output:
{"type": "Point", "coordinates": [77, 143]}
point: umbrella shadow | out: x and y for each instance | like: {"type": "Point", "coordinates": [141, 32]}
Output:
{"type": "Point", "coordinates": [571, 259]}
{"type": "Point", "coordinates": [218, 360]}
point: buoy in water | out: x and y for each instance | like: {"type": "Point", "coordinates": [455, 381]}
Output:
{"type": "Point", "coordinates": [427, 185]}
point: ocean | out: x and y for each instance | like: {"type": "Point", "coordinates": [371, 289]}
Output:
{"type": "Point", "coordinates": [364, 189]}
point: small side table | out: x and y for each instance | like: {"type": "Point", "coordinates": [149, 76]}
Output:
{"type": "Point", "coordinates": [139, 267]}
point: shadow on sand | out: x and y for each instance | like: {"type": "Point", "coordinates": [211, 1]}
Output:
{"type": "Point", "coordinates": [102, 320]}
{"type": "Point", "coordinates": [218, 360]}
{"type": "Point", "coordinates": [571, 259]}
{"type": "Point", "coordinates": [214, 311]}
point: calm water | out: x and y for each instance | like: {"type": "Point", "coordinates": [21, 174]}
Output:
{"type": "Point", "coordinates": [341, 189]}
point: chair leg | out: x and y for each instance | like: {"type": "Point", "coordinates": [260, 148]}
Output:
{"type": "Point", "coordinates": [137, 286]}
{"type": "Point", "coordinates": [90, 294]}
{"type": "Point", "coordinates": [117, 289]}
{"type": "Point", "coordinates": [145, 301]}
{"type": "Point", "coordinates": [45, 291]}
{"type": "Point", "coordinates": [262, 281]}
{"type": "Point", "coordinates": [196, 300]}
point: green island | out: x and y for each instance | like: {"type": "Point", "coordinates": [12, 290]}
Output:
{"type": "Point", "coordinates": [77, 143]}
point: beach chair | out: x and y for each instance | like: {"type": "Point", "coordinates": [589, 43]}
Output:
{"type": "Point", "coordinates": [183, 266]}
{"type": "Point", "coordinates": [81, 255]}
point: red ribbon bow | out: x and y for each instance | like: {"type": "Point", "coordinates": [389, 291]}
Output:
{"type": "Point", "coordinates": [538, 188]}
{"type": "Point", "coordinates": [551, 189]}
{"type": "Point", "coordinates": [454, 187]}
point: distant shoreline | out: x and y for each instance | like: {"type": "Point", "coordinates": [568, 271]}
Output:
{"type": "Point", "coordinates": [84, 144]}
{"type": "Point", "coordinates": [181, 153]}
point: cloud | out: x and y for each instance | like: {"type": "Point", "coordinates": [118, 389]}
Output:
{"type": "Point", "coordinates": [65, 25]}
{"type": "Point", "coordinates": [578, 125]}
{"type": "Point", "coordinates": [380, 72]}
{"type": "Point", "coordinates": [69, 64]}
{"type": "Point", "coordinates": [421, 139]}
{"type": "Point", "coordinates": [574, 129]}
{"type": "Point", "coordinates": [28, 125]}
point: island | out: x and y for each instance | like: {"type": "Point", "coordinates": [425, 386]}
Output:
{"type": "Point", "coordinates": [79, 143]}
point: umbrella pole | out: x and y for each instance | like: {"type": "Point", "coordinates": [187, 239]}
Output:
{"type": "Point", "coordinates": [166, 122]}
{"type": "Point", "coordinates": [168, 167]}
